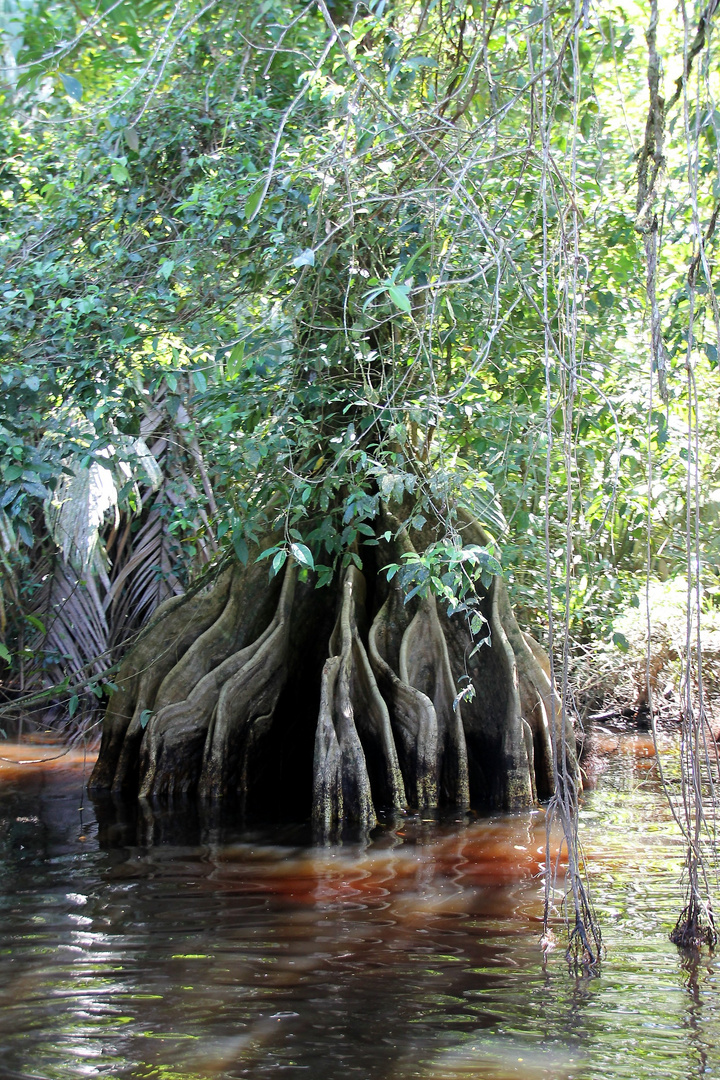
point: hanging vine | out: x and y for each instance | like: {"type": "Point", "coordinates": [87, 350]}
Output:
{"type": "Point", "coordinates": [694, 811]}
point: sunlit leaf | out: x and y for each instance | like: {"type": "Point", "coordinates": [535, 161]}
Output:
{"type": "Point", "coordinates": [279, 561]}
{"type": "Point", "coordinates": [234, 359]}
{"type": "Point", "coordinates": [119, 173]}
{"type": "Point", "coordinates": [303, 555]}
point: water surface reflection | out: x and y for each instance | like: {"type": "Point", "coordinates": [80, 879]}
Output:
{"type": "Point", "coordinates": [214, 952]}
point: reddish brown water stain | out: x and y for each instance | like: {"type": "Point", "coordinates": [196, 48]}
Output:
{"type": "Point", "coordinates": [19, 759]}
{"type": "Point", "coordinates": [413, 956]}
{"type": "Point", "coordinates": [440, 873]}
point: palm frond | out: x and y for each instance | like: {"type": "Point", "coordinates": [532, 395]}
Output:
{"type": "Point", "coordinates": [70, 644]}
{"type": "Point", "coordinates": [106, 578]}
{"type": "Point", "coordinates": [76, 510]}
{"type": "Point", "coordinates": [144, 579]}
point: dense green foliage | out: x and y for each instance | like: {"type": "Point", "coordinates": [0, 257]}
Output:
{"type": "Point", "coordinates": [319, 256]}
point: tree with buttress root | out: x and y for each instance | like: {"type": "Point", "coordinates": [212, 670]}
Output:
{"type": "Point", "coordinates": [270, 696]}
{"type": "Point", "coordinates": [362, 291]}
{"type": "Point", "coordinates": [319, 256]}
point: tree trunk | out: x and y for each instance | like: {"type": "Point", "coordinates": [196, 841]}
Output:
{"type": "Point", "coordinates": [274, 697]}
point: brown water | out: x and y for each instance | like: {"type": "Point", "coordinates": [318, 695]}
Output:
{"type": "Point", "coordinates": [209, 953]}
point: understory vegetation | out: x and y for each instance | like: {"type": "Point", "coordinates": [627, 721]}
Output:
{"type": "Point", "coordinates": [398, 307]}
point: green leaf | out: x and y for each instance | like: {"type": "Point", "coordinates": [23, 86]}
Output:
{"type": "Point", "coordinates": [13, 472]}
{"type": "Point", "coordinates": [420, 62]}
{"type": "Point", "coordinates": [166, 268]}
{"type": "Point", "coordinates": [73, 705]}
{"type": "Point", "coordinates": [234, 359]}
{"type": "Point", "coordinates": [72, 86]}
{"type": "Point", "coordinates": [371, 296]}
{"type": "Point", "coordinates": [267, 553]}
{"type": "Point", "coordinates": [253, 201]}
{"type": "Point", "coordinates": [145, 718]}
{"type": "Point", "coordinates": [4, 654]}
{"type": "Point", "coordinates": [303, 555]}
{"type": "Point", "coordinates": [325, 575]}
{"type": "Point", "coordinates": [399, 296]}
{"type": "Point", "coordinates": [200, 381]}
{"type": "Point", "coordinates": [279, 561]}
{"type": "Point", "coordinates": [119, 173]}
{"type": "Point", "coordinates": [241, 549]}
{"type": "Point", "coordinates": [132, 138]}
{"type": "Point", "coordinates": [305, 258]}
{"type": "Point", "coordinates": [411, 262]}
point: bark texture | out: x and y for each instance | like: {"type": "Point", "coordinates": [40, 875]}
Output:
{"type": "Point", "coordinates": [271, 696]}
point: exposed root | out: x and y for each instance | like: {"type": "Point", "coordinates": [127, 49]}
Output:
{"type": "Point", "coordinates": [354, 739]}
{"type": "Point", "coordinates": [498, 760]}
{"type": "Point", "coordinates": [413, 716]}
{"type": "Point", "coordinates": [341, 785]}
{"type": "Point", "coordinates": [172, 749]}
{"type": "Point", "coordinates": [539, 706]}
{"type": "Point", "coordinates": [235, 627]}
{"type": "Point", "coordinates": [211, 641]}
{"type": "Point", "coordinates": [695, 927]}
{"type": "Point", "coordinates": [225, 695]}
{"type": "Point", "coordinates": [170, 632]}
{"type": "Point", "coordinates": [246, 704]}
{"type": "Point", "coordinates": [425, 665]}
{"type": "Point", "coordinates": [537, 703]}
{"type": "Point", "coordinates": [530, 751]}
{"type": "Point", "coordinates": [170, 752]}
